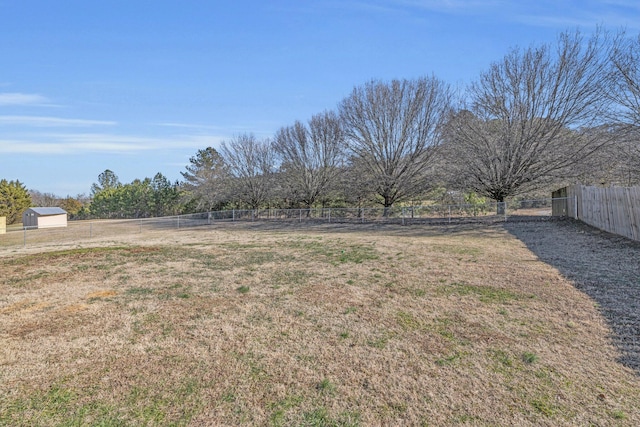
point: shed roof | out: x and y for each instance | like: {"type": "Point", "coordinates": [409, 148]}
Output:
{"type": "Point", "coordinates": [48, 211]}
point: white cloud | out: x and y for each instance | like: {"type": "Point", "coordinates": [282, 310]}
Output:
{"type": "Point", "coordinates": [14, 99]}
{"type": "Point", "coordinates": [39, 121]}
{"type": "Point", "coordinates": [30, 147]}
{"type": "Point", "coordinates": [188, 126]}
{"type": "Point", "coordinates": [466, 7]}
{"type": "Point", "coordinates": [543, 13]}
{"type": "Point", "coordinates": [85, 143]}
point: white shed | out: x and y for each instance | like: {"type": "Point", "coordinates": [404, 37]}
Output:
{"type": "Point", "coordinates": [44, 218]}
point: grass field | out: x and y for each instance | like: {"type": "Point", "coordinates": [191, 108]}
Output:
{"type": "Point", "coordinates": [277, 325]}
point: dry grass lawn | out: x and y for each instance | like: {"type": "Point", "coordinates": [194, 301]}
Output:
{"type": "Point", "coordinates": [245, 324]}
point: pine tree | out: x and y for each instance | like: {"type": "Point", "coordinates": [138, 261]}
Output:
{"type": "Point", "coordinates": [14, 200]}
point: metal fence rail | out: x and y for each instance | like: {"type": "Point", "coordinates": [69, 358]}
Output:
{"type": "Point", "coordinates": [428, 214]}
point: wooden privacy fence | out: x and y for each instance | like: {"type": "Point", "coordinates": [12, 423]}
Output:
{"type": "Point", "coordinates": [613, 209]}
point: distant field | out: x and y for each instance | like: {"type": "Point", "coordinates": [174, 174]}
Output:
{"type": "Point", "coordinates": [280, 324]}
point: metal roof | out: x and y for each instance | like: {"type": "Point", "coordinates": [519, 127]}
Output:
{"type": "Point", "coordinates": [48, 211]}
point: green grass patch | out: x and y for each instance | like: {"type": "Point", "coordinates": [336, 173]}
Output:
{"type": "Point", "coordinates": [617, 414]}
{"type": "Point", "coordinates": [23, 280]}
{"type": "Point", "coordinates": [486, 294]}
{"type": "Point", "coordinates": [457, 250]}
{"type": "Point", "coordinates": [320, 417]}
{"type": "Point", "coordinates": [281, 408]}
{"type": "Point", "coordinates": [139, 291]}
{"type": "Point", "coordinates": [502, 358]}
{"type": "Point", "coordinates": [408, 321]}
{"type": "Point", "coordinates": [451, 359]}
{"type": "Point", "coordinates": [544, 406]}
{"type": "Point", "coordinates": [529, 358]}
{"type": "Point", "coordinates": [326, 387]}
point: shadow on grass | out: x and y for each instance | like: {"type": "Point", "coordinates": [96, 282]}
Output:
{"type": "Point", "coordinates": [604, 266]}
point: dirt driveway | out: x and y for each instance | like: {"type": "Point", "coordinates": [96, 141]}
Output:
{"type": "Point", "coordinates": [604, 266]}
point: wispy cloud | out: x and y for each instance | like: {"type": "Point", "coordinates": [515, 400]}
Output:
{"type": "Point", "coordinates": [455, 6]}
{"type": "Point", "coordinates": [39, 121]}
{"type": "Point", "coordinates": [465, 7]}
{"type": "Point", "coordinates": [20, 99]}
{"type": "Point", "coordinates": [612, 14]}
{"type": "Point", "coordinates": [543, 13]}
{"type": "Point", "coordinates": [84, 143]}
{"type": "Point", "coordinates": [188, 126]}
{"type": "Point", "coordinates": [46, 148]}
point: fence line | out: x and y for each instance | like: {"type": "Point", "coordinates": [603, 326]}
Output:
{"type": "Point", "coordinates": [431, 214]}
{"type": "Point", "coordinates": [612, 209]}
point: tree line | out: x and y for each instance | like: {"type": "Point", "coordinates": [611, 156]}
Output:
{"type": "Point", "coordinates": [540, 117]}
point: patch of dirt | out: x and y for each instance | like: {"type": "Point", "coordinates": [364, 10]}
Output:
{"type": "Point", "coordinates": [25, 306]}
{"type": "Point", "coordinates": [604, 266]}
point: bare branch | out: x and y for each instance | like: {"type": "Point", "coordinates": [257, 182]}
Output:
{"type": "Point", "coordinates": [252, 163]}
{"type": "Point", "coordinates": [532, 116]}
{"type": "Point", "coordinates": [312, 156]}
{"type": "Point", "coordinates": [394, 129]}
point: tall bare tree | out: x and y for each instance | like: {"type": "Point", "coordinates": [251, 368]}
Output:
{"type": "Point", "coordinates": [311, 156]}
{"type": "Point", "coordinates": [626, 65]}
{"type": "Point", "coordinates": [44, 199]}
{"type": "Point", "coordinates": [251, 164]}
{"type": "Point", "coordinates": [531, 116]}
{"type": "Point", "coordinates": [394, 129]}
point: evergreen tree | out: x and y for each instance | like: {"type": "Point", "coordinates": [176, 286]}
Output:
{"type": "Point", "coordinates": [207, 180]}
{"type": "Point", "coordinates": [14, 200]}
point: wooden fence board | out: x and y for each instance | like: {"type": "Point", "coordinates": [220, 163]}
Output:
{"type": "Point", "coordinates": [613, 209]}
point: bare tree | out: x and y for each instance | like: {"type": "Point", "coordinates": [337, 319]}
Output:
{"type": "Point", "coordinates": [356, 186]}
{"type": "Point", "coordinates": [251, 163]}
{"type": "Point", "coordinates": [394, 129]}
{"type": "Point", "coordinates": [531, 117]}
{"type": "Point", "coordinates": [207, 180]}
{"type": "Point", "coordinates": [626, 65]}
{"type": "Point", "coordinates": [44, 199]}
{"type": "Point", "coordinates": [311, 156]}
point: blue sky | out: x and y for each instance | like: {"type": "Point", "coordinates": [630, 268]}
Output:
{"type": "Point", "coordinates": [138, 86]}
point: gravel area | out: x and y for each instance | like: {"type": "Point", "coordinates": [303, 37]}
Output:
{"type": "Point", "coordinates": [604, 266]}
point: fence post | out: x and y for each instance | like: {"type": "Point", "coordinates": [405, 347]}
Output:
{"type": "Point", "coordinates": [233, 215]}
{"type": "Point", "coordinates": [575, 206]}
{"type": "Point", "coordinates": [363, 215]}
{"type": "Point", "coordinates": [329, 214]}
{"type": "Point", "coordinates": [300, 216]}
{"type": "Point", "coordinates": [449, 213]}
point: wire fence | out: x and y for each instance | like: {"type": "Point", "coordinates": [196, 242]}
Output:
{"type": "Point", "coordinates": [522, 210]}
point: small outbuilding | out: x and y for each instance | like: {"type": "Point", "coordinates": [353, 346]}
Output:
{"type": "Point", "coordinates": [44, 218]}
